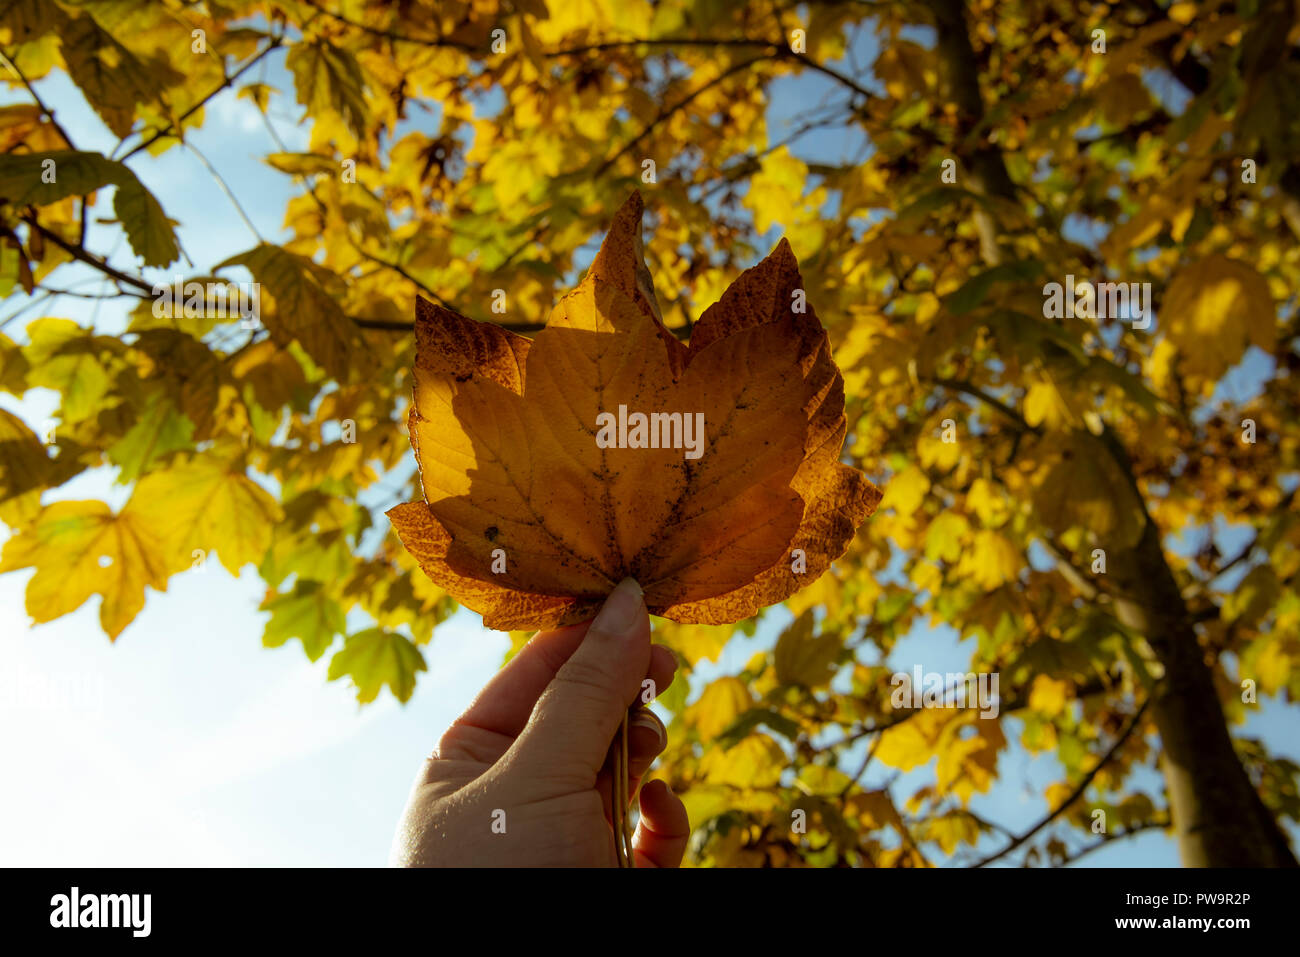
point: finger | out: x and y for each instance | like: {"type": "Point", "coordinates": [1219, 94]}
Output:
{"type": "Point", "coordinates": [506, 702]}
{"type": "Point", "coordinates": [663, 669]}
{"type": "Point", "coordinates": [568, 736]}
{"type": "Point", "coordinates": [664, 829]}
{"type": "Point", "coordinates": [489, 727]}
{"type": "Point", "coordinates": [646, 740]}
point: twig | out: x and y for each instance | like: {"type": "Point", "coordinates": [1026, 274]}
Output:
{"type": "Point", "coordinates": [1078, 790]}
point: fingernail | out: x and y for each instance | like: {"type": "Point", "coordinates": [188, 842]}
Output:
{"type": "Point", "coordinates": [621, 610]}
{"type": "Point", "coordinates": [648, 719]}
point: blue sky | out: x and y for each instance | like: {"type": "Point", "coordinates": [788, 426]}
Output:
{"type": "Point", "coordinates": [186, 742]}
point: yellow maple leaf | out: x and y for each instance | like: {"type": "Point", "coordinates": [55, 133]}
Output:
{"type": "Point", "coordinates": [722, 702]}
{"type": "Point", "coordinates": [1214, 309]}
{"type": "Point", "coordinates": [1047, 695]}
{"type": "Point", "coordinates": [81, 549]}
{"type": "Point", "coordinates": [208, 505]}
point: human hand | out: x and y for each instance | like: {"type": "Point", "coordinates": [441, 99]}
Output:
{"type": "Point", "coordinates": [523, 777]}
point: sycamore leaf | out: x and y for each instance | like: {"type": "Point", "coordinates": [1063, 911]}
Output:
{"type": "Point", "coordinates": [25, 469]}
{"type": "Point", "coordinates": [39, 179]}
{"type": "Point", "coordinates": [328, 78]}
{"type": "Point", "coordinates": [160, 429]}
{"type": "Point", "coordinates": [802, 659]}
{"type": "Point", "coordinates": [306, 308]}
{"type": "Point", "coordinates": [63, 356]}
{"type": "Point", "coordinates": [753, 762]}
{"type": "Point", "coordinates": [81, 549]}
{"type": "Point", "coordinates": [541, 491]}
{"type": "Point", "coordinates": [307, 613]}
{"type": "Point", "coordinates": [1079, 484]}
{"type": "Point", "coordinates": [1214, 309]}
{"type": "Point", "coordinates": [113, 79]}
{"type": "Point", "coordinates": [305, 164]}
{"type": "Point", "coordinates": [719, 706]}
{"type": "Point", "coordinates": [207, 504]}
{"type": "Point", "coordinates": [914, 741]}
{"type": "Point", "coordinates": [374, 658]}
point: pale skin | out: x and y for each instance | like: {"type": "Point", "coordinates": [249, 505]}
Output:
{"type": "Point", "coordinates": [532, 756]}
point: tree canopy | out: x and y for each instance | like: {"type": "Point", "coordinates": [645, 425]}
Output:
{"type": "Point", "coordinates": [1064, 239]}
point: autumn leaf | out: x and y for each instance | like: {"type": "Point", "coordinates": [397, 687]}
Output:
{"type": "Point", "coordinates": [307, 613]}
{"type": "Point", "coordinates": [802, 658]}
{"type": "Point", "coordinates": [207, 504]}
{"type": "Point", "coordinates": [81, 549]}
{"type": "Point", "coordinates": [529, 521]}
{"type": "Point", "coordinates": [1215, 309]}
{"type": "Point", "coordinates": [24, 470]}
{"type": "Point", "coordinates": [306, 308]}
{"type": "Point", "coordinates": [43, 178]}
{"type": "Point", "coordinates": [377, 657]}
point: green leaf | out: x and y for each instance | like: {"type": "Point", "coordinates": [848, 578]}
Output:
{"type": "Point", "coordinates": [160, 429]}
{"type": "Point", "coordinates": [377, 657]}
{"type": "Point", "coordinates": [39, 179]}
{"type": "Point", "coordinates": [975, 290]}
{"type": "Point", "coordinates": [307, 613]}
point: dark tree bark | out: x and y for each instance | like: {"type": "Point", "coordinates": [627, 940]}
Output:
{"type": "Point", "coordinates": [1218, 817]}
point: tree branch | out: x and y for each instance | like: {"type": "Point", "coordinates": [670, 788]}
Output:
{"type": "Point", "coordinates": [225, 84]}
{"type": "Point", "coordinates": [1076, 793]}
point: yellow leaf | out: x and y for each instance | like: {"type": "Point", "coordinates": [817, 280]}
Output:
{"type": "Point", "coordinates": [935, 453]}
{"type": "Point", "coordinates": [1047, 695]}
{"type": "Point", "coordinates": [753, 762]}
{"type": "Point", "coordinates": [721, 703]}
{"type": "Point", "coordinates": [969, 762]}
{"type": "Point", "coordinates": [983, 499]}
{"type": "Point", "coordinates": [945, 537]}
{"type": "Point", "coordinates": [777, 186]}
{"type": "Point", "coordinates": [906, 491]}
{"type": "Point", "coordinates": [1214, 309]}
{"type": "Point", "coordinates": [208, 505]}
{"type": "Point", "coordinates": [913, 742]}
{"type": "Point", "coordinates": [81, 549]}
{"type": "Point", "coordinates": [801, 658]}
{"type": "Point", "coordinates": [991, 560]}
{"type": "Point", "coordinates": [1044, 405]}
{"type": "Point", "coordinates": [953, 829]}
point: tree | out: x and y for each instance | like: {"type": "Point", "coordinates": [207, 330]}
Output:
{"type": "Point", "coordinates": [1070, 226]}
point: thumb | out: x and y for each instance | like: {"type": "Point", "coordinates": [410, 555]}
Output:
{"type": "Point", "coordinates": [576, 717]}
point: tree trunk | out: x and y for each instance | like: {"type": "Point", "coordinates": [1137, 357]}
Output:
{"type": "Point", "coordinates": [1218, 816]}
